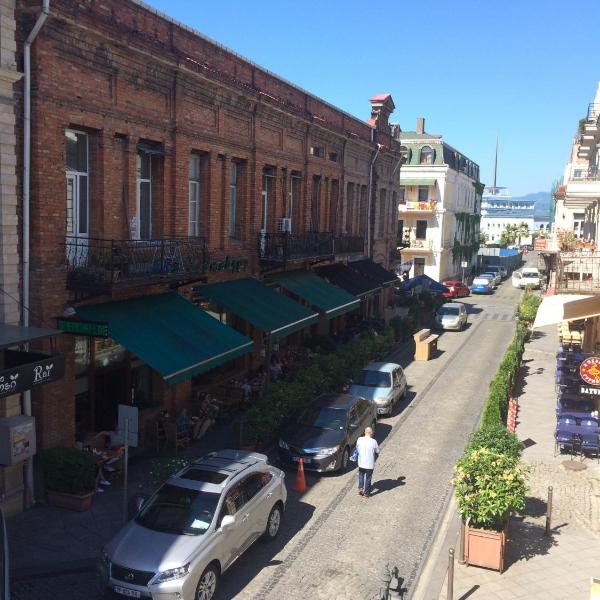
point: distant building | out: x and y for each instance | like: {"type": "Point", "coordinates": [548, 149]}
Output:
{"type": "Point", "coordinates": [439, 205]}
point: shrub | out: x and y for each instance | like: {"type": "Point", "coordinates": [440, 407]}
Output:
{"type": "Point", "coordinates": [488, 485]}
{"type": "Point", "coordinates": [528, 307]}
{"type": "Point", "coordinates": [496, 438]}
{"type": "Point", "coordinates": [163, 468]}
{"type": "Point", "coordinates": [69, 470]}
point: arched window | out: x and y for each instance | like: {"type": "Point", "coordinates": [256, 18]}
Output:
{"type": "Point", "coordinates": [426, 157]}
{"type": "Point", "coordinates": [404, 155]}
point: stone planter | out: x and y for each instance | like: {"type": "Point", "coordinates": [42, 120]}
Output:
{"type": "Point", "coordinates": [77, 502]}
{"type": "Point", "coordinates": [485, 547]}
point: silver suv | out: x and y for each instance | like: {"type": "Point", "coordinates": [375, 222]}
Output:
{"type": "Point", "coordinates": [194, 527]}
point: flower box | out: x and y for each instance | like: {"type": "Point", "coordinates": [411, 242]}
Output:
{"type": "Point", "coordinates": [77, 502]}
{"type": "Point", "coordinates": [485, 547]}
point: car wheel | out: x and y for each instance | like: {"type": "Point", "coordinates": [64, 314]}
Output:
{"type": "Point", "coordinates": [273, 523]}
{"type": "Point", "coordinates": [208, 584]}
{"type": "Point", "coordinates": [345, 459]}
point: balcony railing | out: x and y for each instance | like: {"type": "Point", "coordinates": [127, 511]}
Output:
{"type": "Point", "coordinates": [427, 205]}
{"type": "Point", "coordinates": [589, 174]}
{"type": "Point", "coordinates": [593, 112]}
{"type": "Point", "coordinates": [285, 247]}
{"type": "Point", "coordinates": [578, 272]}
{"type": "Point", "coordinates": [96, 265]}
{"type": "Point", "coordinates": [420, 244]}
{"type": "Point", "coordinates": [348, 244]}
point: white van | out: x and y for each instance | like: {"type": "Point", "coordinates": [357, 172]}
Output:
{"type": "Point", "coordinates": [382, 383]}
{"type": "Point", "coordinates": [527, 277]}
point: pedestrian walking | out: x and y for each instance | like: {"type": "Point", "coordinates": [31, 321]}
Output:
{"type": "Point", "coordinates": [368, 452]}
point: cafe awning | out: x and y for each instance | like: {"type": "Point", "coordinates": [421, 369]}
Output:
{"type": "Point", "coordinates": [267, 310]}
{"type": "Point", "coordinates": [348, 279]}
{"type": "Point", "coordinates": [170, 334]}
{"type": "Point", "coordinates": [325, 297]}
{"type": "Point", "coordinates": [409, 182]}
{"type": "Point", "coordinates": [374, 271]}
{"type": "Point", "coordinates": [566, 307]}
{"type": "Point", "coordinates": [14, 335]}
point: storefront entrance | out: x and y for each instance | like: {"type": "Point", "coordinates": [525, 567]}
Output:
{"type": "Point", "coordinates": [111, 389]}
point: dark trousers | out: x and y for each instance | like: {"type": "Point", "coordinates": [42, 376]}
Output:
{"type": "Point", "coordinates": [364, 480]}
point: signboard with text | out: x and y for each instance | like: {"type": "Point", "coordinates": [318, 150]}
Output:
{"type": "Point", "coordinates": [589, 370]}
{"type": "Point", "coordinates": [85, 328]}
{"type": "Point", "coordinates": [27, 370]}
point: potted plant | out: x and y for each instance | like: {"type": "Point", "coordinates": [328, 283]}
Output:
{"type": "Point", "coordinates": [488, 486]}
{"type": "Point", "coordinates": [70, 477]}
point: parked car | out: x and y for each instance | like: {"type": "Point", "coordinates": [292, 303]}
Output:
{"type": "Point", "coordinates": [496, 278]}
{"type": "Point", "coordinates": [195, 526]}
{"type": "Point", "coordinates": [382, 383]}
{"type": "Point", "coordinates": [482, 285]}
{"type": "Point", "coordinates": [452, 315]}
{"type": "Point", "coordinates": [456, 289]}
{"type": "Point", "coordinates": [326, 432]}
{"type": "Point", "coordinates": [497, 269]}
{"type": "Point", "coordinates": [527, 276]}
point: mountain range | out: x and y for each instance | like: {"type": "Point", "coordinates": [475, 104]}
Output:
{"type": "Point", "coordinates": [542, 202]}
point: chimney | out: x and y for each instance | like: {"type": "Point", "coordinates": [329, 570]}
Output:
{"type": "Point", "coordinates": [420, 124]}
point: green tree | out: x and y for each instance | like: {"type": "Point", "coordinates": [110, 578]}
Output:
{"type": "Point", "coordinates": [509, 235]}
{"type": "Point", "coordinates": [483, 238]}
{"type": "Point", "coordinates": [521, 231]}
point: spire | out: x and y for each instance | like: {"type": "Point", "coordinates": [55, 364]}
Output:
{"type": "Point", "coordinates": [494, 188]}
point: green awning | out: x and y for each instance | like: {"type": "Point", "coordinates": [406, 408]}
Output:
{"type": "Point", "coordinates": [405, 182]}
{"type": "Point", "coordinates": [174, 337]}
{"type": "Point", "coordinates": [324, 296]}
{"type": "Point", "coordinates": [263, 307]}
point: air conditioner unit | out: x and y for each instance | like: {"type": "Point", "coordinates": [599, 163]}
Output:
{"type": "Point", "coordinates": [284, 225]}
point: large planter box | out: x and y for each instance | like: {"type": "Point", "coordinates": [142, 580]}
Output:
{"type": "Point", "coordinates": [485, 548]}
{"type": "Point", "coordinates": [77, 502]}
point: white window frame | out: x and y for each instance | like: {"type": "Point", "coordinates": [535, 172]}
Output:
{"type": "Point", "coordinates": [233, 199]}
{"type": "Point", "coordinates": [194, 198]}
{"type": "Point", "coordinates": [75, 177]}
{"type": "Point", "coordinates": [139, 181]}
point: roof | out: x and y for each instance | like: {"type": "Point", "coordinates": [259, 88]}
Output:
{"type": "Point", "coordinates": [413, 135]}
{"type": "Point", "coordinates": [261, 306]}
{"type": "Point", "coordinates": [380, 97]}
{"type": "Point", "coordinates": [170, 334]}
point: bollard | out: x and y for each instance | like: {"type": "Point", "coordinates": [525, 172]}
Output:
{"type": "Point", "coordinates": [450, 591]}
{"type": "Point", "coordinates": [461, 544]}
{"type": "Point", "coordinates": [549, 511]}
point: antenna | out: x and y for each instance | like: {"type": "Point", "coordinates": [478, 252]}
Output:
{"type": "Point", "coordinates": [494, 188]}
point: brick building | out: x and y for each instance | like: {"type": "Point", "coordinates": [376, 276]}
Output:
{"type": "Point", "coordinates": [160, 162]}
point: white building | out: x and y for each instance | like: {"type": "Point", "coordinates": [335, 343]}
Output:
{"type": "Point", "coordinates": [439, 205]}
{"type": "Point", "coordinates": [499, 209]}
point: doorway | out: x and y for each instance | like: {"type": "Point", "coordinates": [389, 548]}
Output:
{"type": "Point", "coordinates": [111, 388]}
{"type": "Point", "coordinates": [419, 267]}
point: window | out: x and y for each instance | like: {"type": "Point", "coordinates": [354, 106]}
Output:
{"type": "Point", "coordinates": [77, 213]}
{"type": "Point", "coordinates": [577, 173]}
{"type": "Point", "coordinates": [362, 222]}
{"type": "Point", "coordinates": [314, 205]}
{"type": "Point", "coordinates": [400, 232]}
{"type": "Point", "coordinates": [426, 157]}
{"type": "Point", "coordinates": [334, 206]}
{"type": "Point", "coordinates": [382, 211]}
{"type": "Point", "coordinates": [403, 154]}
{"type": "Point", "coordinates": [268, 191]}
{"type": "Point", "coordinates": [144, 196]}
{"type": "Point", "coordinates": [402, 195]}
{"type": "Point", "coordinates": [349, 208]}
{"type": "Point", "coordinates": [233, 201]}
{"type": "Point", "coordinates": [423, 193]}
{"type": "Point", "coordinates": [252, 485]}
{"type": "Point", "coordinates": [333, 157]}
{"type": "Point", "coordinates": [421, 233]}
{"type": "Point", "coordinates": [295, 198]}
{"type": "Point", "coordinates": [317, 151]}
{"type": "Point", "coordinates": [419, 266]}
{"type": "Point", "coordinates": [194, 196]}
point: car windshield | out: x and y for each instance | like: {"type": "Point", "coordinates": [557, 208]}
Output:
{"type": "Point", "coordinates": [480, 281]}
{"type": "Point", "coordinates": [374, 379]}
{"type": "Point", "coordinates": [530, 275]}
{"type": "Point", "coordinates": [324, 417]}
{"type": "Point", "coordinates": [179, 510]}
{"type": "Point", "coordinates": [448, 310]}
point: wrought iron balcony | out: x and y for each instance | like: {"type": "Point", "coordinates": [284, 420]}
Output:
{"type": "Point", "coordinates": [348, 244]}
{"type": "Point", "coordinates": [95, 266]}
{"type": "Point", "coordinates": [285, 247]}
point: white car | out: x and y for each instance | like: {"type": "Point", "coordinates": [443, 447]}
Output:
{"type": "Point", "coordinates": [382, 383]}
{"type": "Point", "coordinates": [194, 527]}
{"type": "Point", "coordinates": [497, 269]}
{"type": "Point", "coordinates": [527, 277]}
{"type": "Point", "coordinates": [452, 315]}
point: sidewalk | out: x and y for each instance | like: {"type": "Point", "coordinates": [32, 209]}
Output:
{"type": "Point", "coordinates": [557, 567]}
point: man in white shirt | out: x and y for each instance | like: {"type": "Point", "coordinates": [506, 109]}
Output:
{"type": "Point", "coordinates": [368, 451]}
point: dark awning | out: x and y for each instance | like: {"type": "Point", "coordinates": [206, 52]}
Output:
{"type": "Point", "coordinates": [424, 283]}
{"type": "Point", "coordinates": [263, 307]}
{"type": "Point", "coordinates": [348, 279]}
{"type": "Point", "coordinates": [170, 334]}
{"type": "Point", "coordinates": [374, 271]}
{"type": "Point", "coordinates": [14, 335]}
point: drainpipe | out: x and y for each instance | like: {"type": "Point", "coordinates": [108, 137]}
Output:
{"type": "Point", "coordinates": [26, 175]}
{"type": "Point", "coordinates": [370, 199]}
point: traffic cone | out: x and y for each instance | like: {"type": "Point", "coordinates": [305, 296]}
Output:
{"type": "Point", "coordinates": [300, 483]}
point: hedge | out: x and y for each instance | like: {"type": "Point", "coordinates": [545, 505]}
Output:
{"type": "Point", "coordinates": [326, 373]}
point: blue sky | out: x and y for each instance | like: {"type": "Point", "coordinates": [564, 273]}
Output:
{"type": "Point", "coordinates": [522, 70]}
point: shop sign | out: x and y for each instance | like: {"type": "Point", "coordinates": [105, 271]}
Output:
{"type": "Point", "coordinates": [81, 327]}
{"type": "Point", "coordinates": [590, 391]}
{"type": "Point", "coordinates": [31, 370]}
{"type": "Point", "coordinates": [589, 370]}
{"type": "Point", "coordinates": [232, 265]}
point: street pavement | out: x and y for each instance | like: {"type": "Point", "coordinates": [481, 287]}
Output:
{"type": "Point", "coordinates": [334, 544]}
{"type": "Point", "coordinates": [555, 567]}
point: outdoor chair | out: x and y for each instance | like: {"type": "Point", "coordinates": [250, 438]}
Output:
{"type": "Point", "coordinates": [590, 445]}
{"type": "Point", "coordinates": [178, 439]}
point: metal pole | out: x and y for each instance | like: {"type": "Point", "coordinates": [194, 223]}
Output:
{"type": "Point", "coordinates": [461, 544]}
{"type": "Point", "coordinates": [450, 591]}
{"type": "Point", "coordinates": [549, 511]}
{"type": "Point", "coordinates": [125, 464]}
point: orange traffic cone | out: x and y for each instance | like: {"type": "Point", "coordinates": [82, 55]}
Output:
{"type": "Point", "coordinates": [300, 483]}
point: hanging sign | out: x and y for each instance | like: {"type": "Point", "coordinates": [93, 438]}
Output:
{"type": "Point", "coordinates": [81, 327]}
{"type": "Point", "coordinates": [27, 370]}
{"type": "Point", "coordinates": [589, 370]}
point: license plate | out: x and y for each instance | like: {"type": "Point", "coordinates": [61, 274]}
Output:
{"type": "Point", "coordinates": [297, 459]}
{"type": "Point", "coordinates": [127, 592]}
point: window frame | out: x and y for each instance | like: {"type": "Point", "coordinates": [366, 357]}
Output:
{"type": "Point", "coordinates": [233, 199]}
{"type": "Point", "coordinates": [195, 184]}
{"type": "Point", "coordinates": [139, 180]}
{"type": "Point", "coordinates": [426, 155]}
{"type": "Point", "coordinates": [81, 180]}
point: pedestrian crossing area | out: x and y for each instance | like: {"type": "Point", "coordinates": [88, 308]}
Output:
{"type": "Point", "coordinates": [492, 316]}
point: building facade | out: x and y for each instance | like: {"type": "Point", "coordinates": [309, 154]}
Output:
{"type": "Point", "coordinates": [163, 163]}
{"type": "Point", "coordinates": [439, 206]}
{"type": "Point", "coordinates": [499, 210]}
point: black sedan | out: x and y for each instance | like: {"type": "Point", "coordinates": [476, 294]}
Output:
{"type": "Point", "coordinates": [326, 432]}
